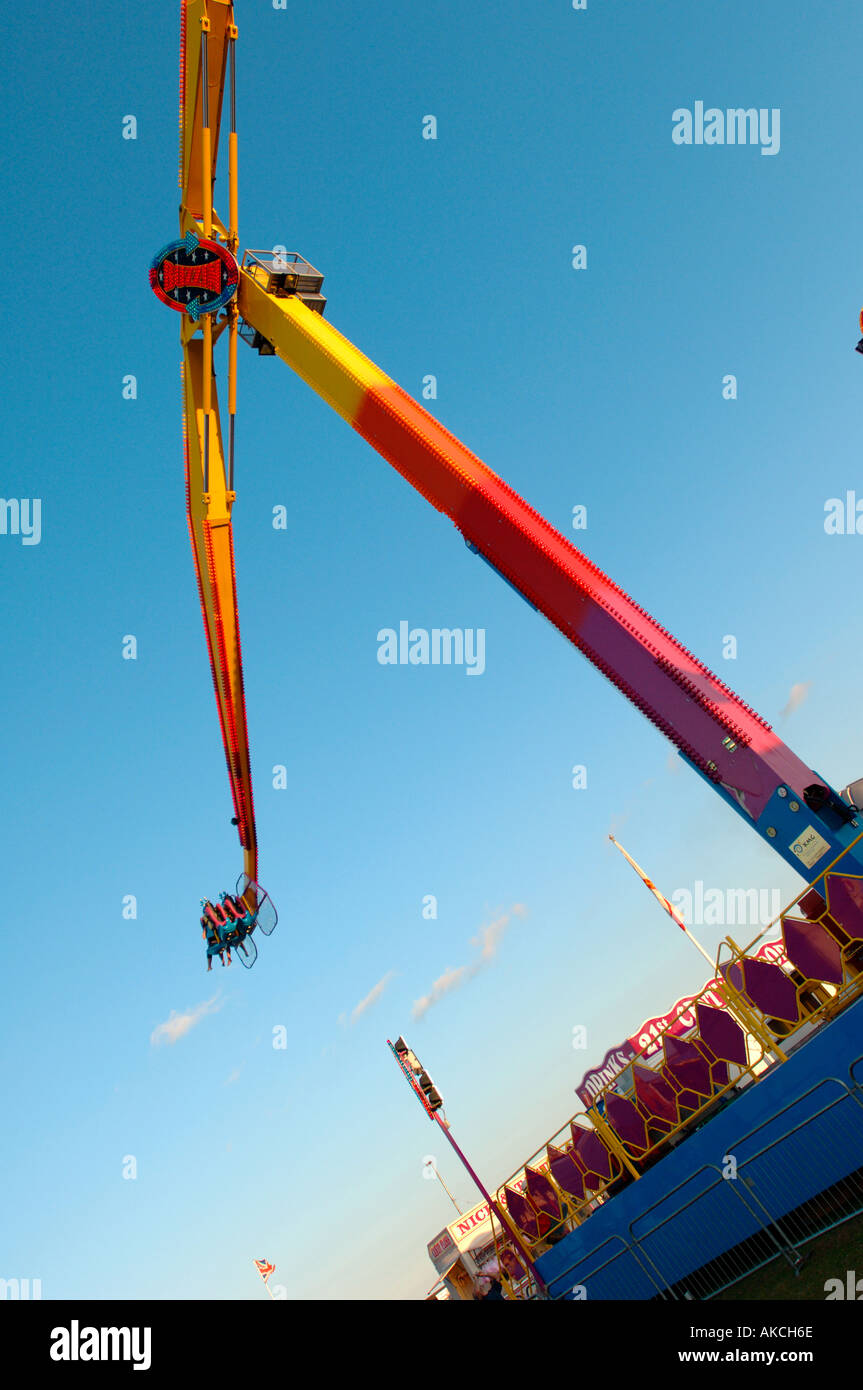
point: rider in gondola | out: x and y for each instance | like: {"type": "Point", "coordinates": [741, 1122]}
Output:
{"type": "Point", "coordinates": [216, 930]}
{"type": "Point", "coordinates": [225, 925]}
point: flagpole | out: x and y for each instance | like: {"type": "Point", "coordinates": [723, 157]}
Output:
{"type": "Point", "coordinates": [669, 907]}
{"type": "Point", "coordinates": [737, 1010]}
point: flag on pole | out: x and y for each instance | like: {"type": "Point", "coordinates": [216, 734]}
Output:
{"type": "Point", "coordinates": [264, 1268]}
{"type": "Point", "coordinates": [663, 901]}
{"type": "Point", "coordinates": [660, 897]}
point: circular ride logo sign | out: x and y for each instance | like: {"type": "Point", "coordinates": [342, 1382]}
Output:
{"type": "Point", "coordinates": [194, 276]}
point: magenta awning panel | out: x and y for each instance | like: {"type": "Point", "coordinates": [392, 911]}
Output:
{"type": "Point", "coordinates": [690, 1100]}
{"type": "Point", "coordinates": [722, 1034]}
{"type": "Point", "coordinates": [687, 1066]}
{"type": "Point", "coordinates": [522, 1213]}
{"type": "Point", "coordinates": [511, 1263]}
{"type": "Point", "coordinates": [655, 1095]}
{"type": "Point", "coordinates": [812, 950]}
{"type": "Point", "coordinates": [566, 1172]}
{"type": "Point", "coordinates": [719, 1075]}
{"type": "Point", "coordinates": [592, 1155]}
{"type": "Point", "coordinates": [626, 1118]}
{"type": "Point", "coordinates": [845, 902]}
{"type": "Point", "coordinates": [771, 990]}
{"type": "Point", "coordinates": [542, 1194]}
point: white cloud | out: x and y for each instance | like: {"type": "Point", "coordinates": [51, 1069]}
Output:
{"type": "Point", "coordinates": [178, 1025]}
{"type": "Point", "coordinates": [371, 998]}
{"type": "Point", "coordinates": [798, 696]}
{"type": "Point", "coordinates": [444, 984]}
{"type": "Point", "coordinates": [489, 937]}
{"type": "Point", "coordinates": [488, 940]}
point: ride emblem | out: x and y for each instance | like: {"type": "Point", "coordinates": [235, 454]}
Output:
{"type": "Point", "coordinates": [194, 276]}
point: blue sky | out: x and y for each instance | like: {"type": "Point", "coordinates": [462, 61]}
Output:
{"type": "Point", "coordinates": [600, 387]}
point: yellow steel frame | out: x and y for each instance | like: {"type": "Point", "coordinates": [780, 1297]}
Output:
{"type": "Point", "coordinates": [212, 541]}
{"type": "Point", "coordinates": [209, 30]}
{"type": "Point", "coordinates": [324, 358]}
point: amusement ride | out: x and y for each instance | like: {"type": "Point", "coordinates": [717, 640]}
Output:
{"type": "Point", "coordinates": [273, 301]}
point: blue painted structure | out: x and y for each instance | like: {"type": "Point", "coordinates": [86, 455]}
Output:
{"type": "Point", "coordinates": [682, 1213]}
{"type": "Point", "coordinates": [786, 817]}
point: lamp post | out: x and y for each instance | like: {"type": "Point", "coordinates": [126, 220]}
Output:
{"type": "Point", "coordinates": [432, 1103]}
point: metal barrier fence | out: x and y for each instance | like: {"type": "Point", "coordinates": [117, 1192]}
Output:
{"type": "Point", "coordinates": [748, 1198]}
{"type": "Point", "coordinates": [639, 1116]}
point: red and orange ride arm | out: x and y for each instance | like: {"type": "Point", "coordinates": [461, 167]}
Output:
{"type": "Point", "coordinates": [726, 741]}
{"type": "Point", "coordinates": [675, 690]}
{"type": "Point", "coordinates": [730, 745]}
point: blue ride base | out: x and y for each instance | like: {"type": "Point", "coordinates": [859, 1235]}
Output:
{"type": "Point", "coordinates": [790, 1135]}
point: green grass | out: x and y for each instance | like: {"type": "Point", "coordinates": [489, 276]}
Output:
{"type": "Point", "coordinates": [827, 1256]}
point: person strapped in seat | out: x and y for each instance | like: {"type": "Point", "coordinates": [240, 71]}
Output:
{"type": "Point", "coordinates": [216, 931]}
{"type": "Point", "coordinates": [242, 918]}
